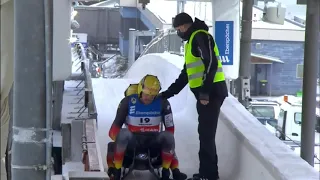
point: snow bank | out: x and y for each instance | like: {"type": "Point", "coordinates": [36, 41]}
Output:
{"type": "Point", "coordinates": [246, 150]}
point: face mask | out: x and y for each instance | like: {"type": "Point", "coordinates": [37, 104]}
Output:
{"type": "Point", "coordinates": [182, 35]}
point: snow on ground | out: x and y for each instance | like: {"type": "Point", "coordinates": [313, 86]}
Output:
{"type": "Point", "coordinates": [109, 92]}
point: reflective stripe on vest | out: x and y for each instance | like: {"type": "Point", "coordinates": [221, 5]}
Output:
{"type": "Point", "coordinates": [195, 67]}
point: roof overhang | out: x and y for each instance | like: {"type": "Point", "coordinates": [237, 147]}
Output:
{"type": "Point", "coordinates": [262, 59]}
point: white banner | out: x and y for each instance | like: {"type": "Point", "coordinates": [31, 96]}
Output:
{"type": "Point", "coordinates": [226, 30]}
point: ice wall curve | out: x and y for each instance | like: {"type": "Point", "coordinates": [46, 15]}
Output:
{"type": "Point", "coordinates": [246, 149]}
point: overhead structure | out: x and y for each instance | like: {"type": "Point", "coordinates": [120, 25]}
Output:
{"type": "Point", "coordinates": [181, 4]}
{"type": "Point", "coordinates": [133, 3]}
{"type": "Point", "coordinates": [144, 3]}
{"type": "Point", "coordinates": [133, 35]}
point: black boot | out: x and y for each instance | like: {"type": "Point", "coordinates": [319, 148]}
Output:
{"type": "Point", "coordinates": [114, 174]}
{"type": "Point", "coordinates": [198, 177]}
{"type": "Point", "coordinates": [177, 175]}
{"type": "Point", "coordinates": [165, 174]}
{"type": "Point", "coordinates": [202, 177]}
{"type": "Point", "coordinates": [110, 171]}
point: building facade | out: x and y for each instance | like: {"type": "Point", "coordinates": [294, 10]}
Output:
{"type": "Point", "coordinates": [279, 70]}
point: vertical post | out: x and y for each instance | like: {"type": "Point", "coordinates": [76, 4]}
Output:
{"type": "Point", "coordinates": [29, 125]}
{"type": "Point", "coordinates": [48, 12]}
{"type": "Point", "coordinates": [9, 143]}
{"type": "Point", "coordinates": [157, 32]}
{"type": "Point", "coordinates": [182, 6]}
{"type": "Point", "coordinates": [213, 18]}
{"type": "Point", "coordinates": [245, 52]}
{"type": "Point", "coordinates": [310, 73]}
{"type": "Point", "coordinates": [132, 47]}
{"type": "Point", "coordinates": [6, 46]}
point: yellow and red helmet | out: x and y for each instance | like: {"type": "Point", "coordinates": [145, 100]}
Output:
{"type": "Point", "coordinates": [149, 85]}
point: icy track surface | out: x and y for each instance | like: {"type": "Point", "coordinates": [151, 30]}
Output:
{"type": "Point", "coordinates": [246, 149]}
{"type": "Point", "coordinates": [109, 92]}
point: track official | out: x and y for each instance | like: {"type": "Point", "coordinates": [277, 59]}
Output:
{"type": "Point", "coordinates": [203, 72]}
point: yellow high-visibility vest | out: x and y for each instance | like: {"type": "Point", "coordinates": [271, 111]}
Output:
{"type": "Point", "coordinates": [195, 67]}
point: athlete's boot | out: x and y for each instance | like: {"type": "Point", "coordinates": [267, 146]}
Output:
{"type": "Point", "coordinates": [178, 175]}
{"type": "Point", "coordinates": [165, 174]}
{"type": "Point", "coordinates": [114, 174]}
{"type": "Point", "coordinates": [202, 177]}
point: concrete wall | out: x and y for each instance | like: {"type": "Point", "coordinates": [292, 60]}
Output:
{"type": "Point", "coordinates": [282, 77]}
{"type": "Point", "coordinates": [252, 148]}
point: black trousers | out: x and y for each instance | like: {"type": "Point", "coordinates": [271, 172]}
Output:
{"type": "Point", "coordinates": [207, 127]}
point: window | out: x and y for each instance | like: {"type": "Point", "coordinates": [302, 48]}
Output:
{"type": "Point", "coordinates": [262, 111]}
{"type": "Point", "coordinates": [281, 114]}
{"type": "Point", "coordinates": [297, 118]}
{"type": "Point", "coordinates": [281, 119]}
{"type": "Point", "coordinates": [318, 124]}
{"type": "Point", "coordinates": [280, 130]}
{"type": "Point", "coordinates": [299, 71]}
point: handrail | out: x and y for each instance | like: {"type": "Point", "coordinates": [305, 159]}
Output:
{"type": "Point", "coordinates": [89, 96]}
{"type": "Point", "coordinates": [96, 52]}
{"type": "Point", "coordinates": [166, 41]}
{"type": "Point", "coordinates": [90, 148]}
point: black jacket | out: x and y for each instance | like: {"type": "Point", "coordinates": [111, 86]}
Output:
{"type": "Point", "coordinates": [202, 46]}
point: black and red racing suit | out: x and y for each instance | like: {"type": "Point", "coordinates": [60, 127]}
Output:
{"type": "Point", "coordinates": [123, 137]}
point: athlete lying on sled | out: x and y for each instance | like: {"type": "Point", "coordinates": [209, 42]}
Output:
{"type": "Point", "coordinates": [142, 111]}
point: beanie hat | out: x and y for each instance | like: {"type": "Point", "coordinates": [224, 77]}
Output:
{"type": "Point", "coordinates": [181, 19]}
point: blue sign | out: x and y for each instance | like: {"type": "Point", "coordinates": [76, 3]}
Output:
{"type": "Point", "coordinates": [85, 45]}
{"type": "Point", "coordinates": [224, 41]}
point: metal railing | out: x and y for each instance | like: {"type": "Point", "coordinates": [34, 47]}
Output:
{"type": "Point", "coordinates": [165, 41]}
{"type": "Point", "coordinates": [95, 53]}
{"type": "Point", "coordinates": [91, 156]}
{"type": "Point", "coordinates": [89, 96]}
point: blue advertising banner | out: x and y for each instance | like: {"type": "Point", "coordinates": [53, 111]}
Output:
{"type": "Point", "coordinates": [224, 40]}
{"type": "Point", "coordinates": [85, 45]}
